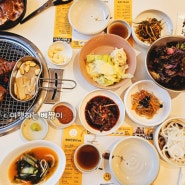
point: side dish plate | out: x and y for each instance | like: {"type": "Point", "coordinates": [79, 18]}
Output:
{"type": "Point", "coordinates": [101, 93]}
{"type": "Point", "coordinates": [166, 23]}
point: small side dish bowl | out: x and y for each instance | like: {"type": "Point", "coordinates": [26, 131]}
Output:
{"type": "Point", "coordinates": [146, 103]}
{"type": "Point", "coordinates": [47, 151]}
{"type": "Point", "coordinates": [101, 112]}
{"type": "Point", "coordinates": [159, 23]}
{"type": "Point", "coordinates": [165, 63]}
{"type": "Point", "coordinates": [35, 128]}
{"type": "Point", "coordinates": [120, 28]}
{"type": "Point", "coordinates": [64, 115]}
{"type": "Point", "coordinates": [169, 139]}
{"type": "Point", "coordinates": [94, 19]}
{"type": "Point", "coordinates": [119, 68]}
{"type": "Point", "coordinates": [134, 160]}
{"type": "Point", "coordinates": [60, 53]}
{"type": "Point", "coordinates": [87, 158]}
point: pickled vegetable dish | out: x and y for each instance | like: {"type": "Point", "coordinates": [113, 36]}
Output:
{"type": "Point", "coordinates": [102, 113]}
{"type": "Point", "coordinates": [149, 30]}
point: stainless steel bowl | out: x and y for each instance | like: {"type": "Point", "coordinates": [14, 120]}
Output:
{"type": "Point", "coordinates": [176, 82]}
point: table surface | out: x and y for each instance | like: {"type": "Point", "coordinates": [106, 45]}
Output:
{"type": "Point", "coordinates": [39, 30]}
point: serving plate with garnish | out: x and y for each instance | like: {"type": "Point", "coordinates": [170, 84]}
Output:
{"type": "Point", "coordinates": [150, 25]}
{"type": "Point", "coordinates": [146, 103]}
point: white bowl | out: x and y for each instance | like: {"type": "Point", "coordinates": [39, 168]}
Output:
{"type": "Point", "coordinates": [119, 112]}
{"type": "Point", "coordinates": [166, 22]}
{"type": "Point", "coordinates": [162, 95]}
{"type": "Point", "coordinates": [169, 139]}
{"type": "Point", "coordinates": [59, 53]}
{"type": "Point", "coordinates": [68, 120]}
{"type": "Point", "coordinates": [87, 158]}
{"type": "Point", "coordinates": [134, 160]}
{"type": "Point", "coordinates": [35, 128]}
{"type": "Point", "coordinates": [17, 152]}
{"type": "Point", "coordinates": [89, 17]}
{"type": "Point", "coordinates": [119, 27]}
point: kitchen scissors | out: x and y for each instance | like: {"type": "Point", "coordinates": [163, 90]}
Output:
{"type": "Point", "coordinates": [45, 6]}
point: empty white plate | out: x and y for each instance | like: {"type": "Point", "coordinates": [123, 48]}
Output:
{"type": "Point", "coordinates": [89, 17]}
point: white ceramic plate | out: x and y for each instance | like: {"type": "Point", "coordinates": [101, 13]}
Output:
{"type": "Point", "coordinates": [89, 17]}
{"type": "Point", "coordinates": [4, 179]}
{"type": "Point", "coordinates": [106, 93]}
{"type": "Point", "coordinates": [158, 92]}
{"type": "Point", "coordinates": [159, 15]}
{"type": "Point", "coordinates": [134, 160]}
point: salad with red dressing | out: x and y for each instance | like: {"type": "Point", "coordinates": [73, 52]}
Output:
{"type": "Point", "coordinates": [166, 64]}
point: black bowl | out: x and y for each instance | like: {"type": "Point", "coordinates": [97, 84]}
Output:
{"type": "Point", "coordinates": [10, 24]}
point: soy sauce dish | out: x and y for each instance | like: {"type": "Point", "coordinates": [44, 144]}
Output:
{"type": "Point", "coordinates": [87, 158]}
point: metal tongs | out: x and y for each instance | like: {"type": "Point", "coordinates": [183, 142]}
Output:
{"type": "Point", "coordinates": [45, 6]}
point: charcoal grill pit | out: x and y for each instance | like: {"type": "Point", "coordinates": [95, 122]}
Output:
{"type": "Point", "coordinates": [12, 48]}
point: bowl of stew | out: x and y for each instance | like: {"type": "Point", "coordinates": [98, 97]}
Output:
{"type": "Point", "coordinates": [34, 162]}
{"type": "Point", "coordinates": [101, 112]}
{"type": "Point", "coordinates": [63, 114]}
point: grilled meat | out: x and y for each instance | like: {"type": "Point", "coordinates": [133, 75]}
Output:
{"type": "Point", "coordinates": [2, 92]}
{"type": "Point", "coordinates": [5, 67]}
{"type": "Point", "coordinates": [10, 10]}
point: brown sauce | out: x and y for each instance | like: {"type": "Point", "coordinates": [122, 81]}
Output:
{"type": "Point", "coordinates": [119, 29]}
{"type": "Point", "coordinates": [102, 113]}
{"type": "Point", "coordinates": [66, 114]}
{"type": "Point", "coordinates": [88, 157]}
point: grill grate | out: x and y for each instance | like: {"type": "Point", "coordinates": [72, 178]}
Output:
{"type": "Point", "coordinates": [12, 112]}
{"type": "Point", "coordinates": [10, 109]}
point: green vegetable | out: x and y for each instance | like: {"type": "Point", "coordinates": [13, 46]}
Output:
{"type": "Point", "coordinates": [107, 69]}
{"type": "Point", "coordinates": [36, 127]}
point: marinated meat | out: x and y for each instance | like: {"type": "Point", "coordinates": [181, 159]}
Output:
{"type": "Point", "coordinates": [11, 10]}
{"type": "Point", "coordinates": [2, 92]}
{"type": "Point", "coordinates": [5, 67]}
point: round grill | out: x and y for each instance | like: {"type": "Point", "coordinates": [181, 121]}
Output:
{"type": "Point", "coordinates": [12, 48]}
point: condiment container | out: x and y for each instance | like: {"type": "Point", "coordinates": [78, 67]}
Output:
{"type": "Point", "coordinates": [120, 28]}
{"type": "Point", "coordinates": [87, 158]}
{"type": "Point", "coordinates": [62, 115]}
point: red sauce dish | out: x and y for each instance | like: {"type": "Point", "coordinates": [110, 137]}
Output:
{"type": "Point", "coordinates": [64, 114]}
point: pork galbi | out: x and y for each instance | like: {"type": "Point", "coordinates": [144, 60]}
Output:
{"type": "Point", "coordinates": [5, 68]}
